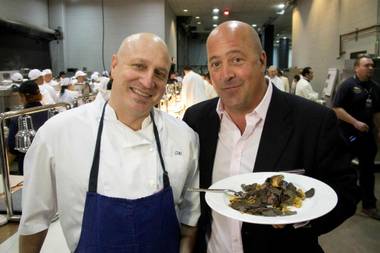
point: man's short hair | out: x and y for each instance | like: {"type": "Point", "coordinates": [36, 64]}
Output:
{"type": "Point", "coordinates": [305, 71]}
{"type": "Point", "coordinates": [361, 56]}
{"type": "Point", "coordinates": [187, 68]}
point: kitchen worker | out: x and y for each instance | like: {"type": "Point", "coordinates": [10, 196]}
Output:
{"type": "Point", "coordinates": [67, 93]}
{"type": "Point", "coordinates": [48, 93]}
{"type": "Point", "coordinates": [116, 171]}
{"type": "Point", "coordinates": [48, 79]}
{"type": "Point", "coordinates": [81, 85]}
{"type": "Point", "coordinates": [193, 89]}
{"type": "Point", "coordinates": [304, 88]}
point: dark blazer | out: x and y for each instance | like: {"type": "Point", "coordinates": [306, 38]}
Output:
{"type": "Point", "coordinates": [297, 134]}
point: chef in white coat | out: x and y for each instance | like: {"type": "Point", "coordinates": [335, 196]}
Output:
{"type": "Point", "coordinates": [48, 93]}
{"type": "Point", "coordinates": [67, 93]}
{"type": "Point", "coordinates": [48, 79]}
{"type": "Point", "coordinates": [193, 89]}
{"type": "Point", "coordinates": [117, 171]}
{"type": "Point", "coordinates": [304, 88]}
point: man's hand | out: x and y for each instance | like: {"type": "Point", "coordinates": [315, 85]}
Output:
{"type": "Point", "coordinates": [361, 126]}
{"type": "Point", "coordinates": [278, 226]}
{"type": "Point", "coordinates": [188, 236]}
{"type": "Point", "coordinates": [32, 243]}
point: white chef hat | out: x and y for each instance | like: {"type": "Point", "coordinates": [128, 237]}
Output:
{"type": "Point", "coordinates": [47, 72]}
{"type": "Point", "coordinates": [95, 76]}
{"type": "Point", "coordinates": [79, 73]}
{"type": "Point", "coordinates": [66, 81]}
{"type": "Point", "coordinates": [34, 74]}
{"type": "Point", "coordinates": [16, 77]}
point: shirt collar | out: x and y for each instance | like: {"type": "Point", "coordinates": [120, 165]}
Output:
{"type": "Point", "coordinates": [260, 110]}
{"type": "Point", "coordinates": [110, 113]}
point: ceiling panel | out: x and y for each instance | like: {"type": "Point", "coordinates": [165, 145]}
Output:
{"type": "Point", "coordinates": [258, 12]}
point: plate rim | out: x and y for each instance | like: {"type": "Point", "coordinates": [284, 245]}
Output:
{"type": "Point", "coordinates": [276, 220]}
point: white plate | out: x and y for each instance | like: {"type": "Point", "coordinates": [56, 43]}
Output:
{"type": "Point", "coordinates": [323, 201]}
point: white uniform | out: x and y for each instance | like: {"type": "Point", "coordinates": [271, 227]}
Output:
{"type": "Point", "coordinates": [304, 89]}
{"type": "Point", "coordinates": [277, 82]}
{"type": "Point", "coordinates": [49, 95]}
{"type": "Point", "coordinates": [285, 81]}
{"type": "Point", "coordinates": [193, 89]}
{"type": "Point", "coordinates": [69, 96]}
{"type": "Point", "coordinates": [210, 91]}
{"type": "Point", "coordinates": [58, 163]}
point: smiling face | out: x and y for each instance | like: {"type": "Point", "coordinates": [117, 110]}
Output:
{"type": "Point", "coordinates": [139, 71]}
{"type": "Point", "coordinates": [236, 63]}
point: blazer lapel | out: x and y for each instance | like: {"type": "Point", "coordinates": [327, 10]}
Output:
{"type": "Point", "coordinates": [208, 142]}
{"type": "Point", "coordinates": [277, 130]}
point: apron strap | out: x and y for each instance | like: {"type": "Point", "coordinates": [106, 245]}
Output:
{"type": "Point", "coordinates": [158, 143]}
{"type": "Point", "coordinates": [93, 184]}
{"type": "Point", "coordinates": [93, 181]}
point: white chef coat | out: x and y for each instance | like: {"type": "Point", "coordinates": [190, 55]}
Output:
{"type": "Point", "coordinates": [58, 163]}
{"type": "Point", "coordinates": [276, 81]}
{"type": "Point", "coordinates": [210, 91]}
{"type": "Point", "coordinates": [193, 89]}
{"type": "Point", "coordinates": [69, 96]}
{"type": "Point", "coordinates": [304, 89]}
{"type": "Point", "coordinates": [235, 154]}
{"type": "Point", "coordinates": [285, 81]}
{"type": "Point", "coordinates": [49, 95]}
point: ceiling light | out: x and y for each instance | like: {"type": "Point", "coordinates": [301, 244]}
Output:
{"type": "Point", "coordinates": [226, 12]}
{"type": "Point", "coordinates": [197, 17]}
{"type": "Point", "coordinates": [254, 25]}
{"type": "Point", "coordinates": [185, 10]}
{"type": "Point", "coordinates": [284, 37]}
{"type": "Point", "coordinates": [280, 12]}
{"type": "Point", "coordinates": [215, 10]}
{"type": "Point", "coordinates": [214, 25]}
{"type": "Point", "coordinates": [277, 41]}
{"type": "Point", "coordinates": [281, 6]}
{"type": "Point", "coordinates": [215, 17]}
{"type": "Point", "coordinates": [199, 23]}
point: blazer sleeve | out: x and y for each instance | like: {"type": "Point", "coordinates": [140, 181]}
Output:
{"type": "Point", "coordinates": [334, 169]}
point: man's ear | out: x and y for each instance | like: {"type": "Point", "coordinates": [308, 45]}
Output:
{"type": "Point", "coordinates": [114, 62]}
{"type": "Point", "coordinates": [263, 61]}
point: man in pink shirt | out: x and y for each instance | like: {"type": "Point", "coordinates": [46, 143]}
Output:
{"type": "Point", "coordinates": [255, 127]}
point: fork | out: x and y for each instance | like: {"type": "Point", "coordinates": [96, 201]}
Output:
{"type": "Point", "coordinates": [227, 191]}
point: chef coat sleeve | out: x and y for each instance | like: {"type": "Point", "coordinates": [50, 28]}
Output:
{"type": "Point", "coordinates": [190, 205]}
{"type": "Point", "coordinates": [39, 203]}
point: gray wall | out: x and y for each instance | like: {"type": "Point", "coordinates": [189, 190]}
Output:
{"type": "Point", "coordinates": [171, 31]}
{"type": "Point", "coordinates": [33, 12]}
{"type": "Point", "coordinates": [83, 30]}
{"type": "Point", "coordinates": [316, 29]}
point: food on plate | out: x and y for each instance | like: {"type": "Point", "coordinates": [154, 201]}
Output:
{"type": "Point", "coordinates": [272, 198]}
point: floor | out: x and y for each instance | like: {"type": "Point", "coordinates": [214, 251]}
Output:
{"type": "Point", "coordinates": [359, 234]}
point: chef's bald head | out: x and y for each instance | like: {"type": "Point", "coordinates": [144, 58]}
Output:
{"type": "Point", "coordinates": [149, 41]}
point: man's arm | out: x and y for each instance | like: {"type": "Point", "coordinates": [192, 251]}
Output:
{"type": "Point", "coordinates": [32, 243]}
{"type": "Point", "coordinates": [376, 120]}
{"type": "Point", "coordinates": [188, 236]}
{"type": "Point", "coordinates": [346, 117]}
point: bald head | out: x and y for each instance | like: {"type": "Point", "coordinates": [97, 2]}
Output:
{"type": "Point", "coordinates": [149, 41]}
{"type": "Point", "coordinates": [231, 29]}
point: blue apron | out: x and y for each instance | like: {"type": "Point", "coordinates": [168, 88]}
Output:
{"type": "Point", "coordinates": [141, 225]}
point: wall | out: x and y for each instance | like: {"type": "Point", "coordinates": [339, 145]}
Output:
{"type": "Point", "coordinates": [171, 32]}
{"type": "Point", "coordinates": [83, 29]}
{"type": "Point", "coordinates": [33, 12]}
{"type": "Point", "coordinates": [57, 21]}
{"type": "Point", "coordinates": [316, 29]}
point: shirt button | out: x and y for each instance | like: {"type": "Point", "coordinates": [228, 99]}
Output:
{"type": "Point", "coordinates": [151, 149]}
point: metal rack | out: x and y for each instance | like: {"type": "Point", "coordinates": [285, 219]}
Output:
{"type": "Point", "coordinates": [5, 160]}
